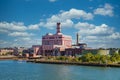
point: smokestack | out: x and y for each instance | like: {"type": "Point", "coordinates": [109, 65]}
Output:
{"type": "Point", "coordinates": [77, 39]}
{"type": "Point", "coordinates": [58, 28]}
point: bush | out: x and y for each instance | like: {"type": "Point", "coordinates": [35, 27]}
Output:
{"type": "Point", "coordinates": [62, 58]}
{"type": "Point", "coordinates": [87, 57]}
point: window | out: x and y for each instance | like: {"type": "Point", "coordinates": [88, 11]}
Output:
{"type": "Point", "coordinates": [51, 37]}
{"type": "Point", "coordinates": [60, 37]}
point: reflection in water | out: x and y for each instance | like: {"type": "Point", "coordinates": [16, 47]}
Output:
{"type": "Point", "coordinates": [20, 70]}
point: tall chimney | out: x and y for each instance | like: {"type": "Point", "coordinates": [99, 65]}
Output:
{"type": "Point", "coordinates": [58, 28]}
{"type": "Point", "coordinates": [77, 39]}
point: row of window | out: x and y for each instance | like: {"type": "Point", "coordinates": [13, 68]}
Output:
{"type": "Point", "coordinates": [52, 38]}
{"type": "Point", "coordinates": [52, 43]}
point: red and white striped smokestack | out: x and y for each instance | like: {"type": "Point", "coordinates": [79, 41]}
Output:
{"type": "Point", "coordinates": [58, 28]}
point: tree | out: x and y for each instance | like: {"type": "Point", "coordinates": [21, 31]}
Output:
{"type": "Point", "coordinates": [87, 57]}
{"type": "Point", "coordinates": [104, 58]}
{"type": "Point", "coordinates": [9, 53]}
{"type": "Point", "coordinates": [115, 57]}
{"type": "Point", "coordinates": [97, 57]}
{"type": "Point", "coordinates": [119, 51]}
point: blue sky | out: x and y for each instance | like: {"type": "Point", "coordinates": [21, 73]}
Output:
{"type": "Point", "coordinates": [23, 22]}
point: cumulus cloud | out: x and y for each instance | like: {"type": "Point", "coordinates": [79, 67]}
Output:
{"type": "Point", "coordinates": [20, 34]}
{"type": "Point", "coordinates": [4, 31]}
{"type": "Point", "coordinates": [13, 26]}
{"type": "Point", "coordinates": [85, 25]}
{"type": "Point", "coordinates": [94, 35]}
{"type": "Point", "coordinates": [107, 10]}
{"type": "Point", "coordinates": [2, 42]}
{"type": "Point", "coordinates": [52, 25]}
{"type": "Point", "coordinates": [33, 27]}
{"type": "Point", "coordinates": [26, 41]}
{"type": "Point", "coordinates": [67, 23]}
{"type": "Point", "coordinates": [22, 39]}
{"type": "Point", "coordinates": [115, 35]}
{"type": "Point", "coordinates": [19, 31]}
{"type": "Point", "coordinates": [97, 34]}
{"type": "Point", "coordinates": [6, 27]}
{"type": "Point", "coordinates": [65, 17]}
{"type": "Point", "coordinates": [75, 13]}
{"type": "Point", "coordinates": [91, 29]}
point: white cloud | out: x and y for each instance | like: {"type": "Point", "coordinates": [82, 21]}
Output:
{"type": "Point", "coordinates": [91, 29]}
{"type": "Point", "coordinates": [67, 23]}
{"type": "Point", "coordinates": [6, 27]}
{"type": "Point", "coordinates": [52, 0]}
{"type": "Point", "coordinates": [20, 34]}
{"type": "Point", "coordinates": [19, 31]}
{"type": "Point", "coordinates": [115, 35]}
{"type": "Point", "coordinates": [13, 26]}
{"type": "Point", "coordinates": [65, 17]}
{"type": "Point", "coordinates": [98, 35]}
{"type": "Point", "coordinates": [23, 39]}
{"type": "Point", "coordinates": [2, 42]}
{"type": "Point", "coordinates": [106, 10]}
{"type": "Point", "coordinates": [75, 13]}
{"type": "Point", "coordinates": [52, 25]}
{"type": "Point", "coordinates": [33, 27]}
{"type": "Point", "coordinates": [93, 35]}
{"type": "Point", "coordinates": [84, 25]}
{"type": "Point", "coordinates": [49, 25]}
{"type": "Point", "coordinates": [26, 41]}
{"type": "Point", "coordinates": [4, 31]}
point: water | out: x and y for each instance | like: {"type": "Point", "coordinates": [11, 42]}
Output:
{"type": "Point", "coordinates": [20, 70]}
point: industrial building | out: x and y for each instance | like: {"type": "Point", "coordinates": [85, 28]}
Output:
{"type": "Point", "coordinates": [60, 44]}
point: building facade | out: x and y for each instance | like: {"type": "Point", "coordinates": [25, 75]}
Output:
{"type": "Point", "coordinates": [53, 44]}
{"type": "Point", "coordinates": [6, 51]}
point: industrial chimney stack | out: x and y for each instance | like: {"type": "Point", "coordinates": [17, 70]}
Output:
{"type": "Point", "coordinates": [58, 28]}
{"type": "Point", "coordinates": [77, 39]}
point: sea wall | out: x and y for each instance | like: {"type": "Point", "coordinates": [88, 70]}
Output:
{"type": "Point", "coordinates": [74, 63]}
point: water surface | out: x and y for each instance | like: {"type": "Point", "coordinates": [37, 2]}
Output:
{"type": "Point", "coordinates": [21, 70]}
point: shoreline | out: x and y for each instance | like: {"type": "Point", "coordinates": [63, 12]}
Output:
{"type": "Point", "coordinates": [74, 63]}
{"type": "Point", "coordinates": [58, 62]}
{"type": "Point", "coordinates": [12, 58]}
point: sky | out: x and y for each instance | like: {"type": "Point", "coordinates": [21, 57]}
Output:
{"type": "Point", "coordinates": [24, 22]}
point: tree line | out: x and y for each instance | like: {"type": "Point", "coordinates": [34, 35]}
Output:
{"type": "Point", "coordinates": [89, 57]}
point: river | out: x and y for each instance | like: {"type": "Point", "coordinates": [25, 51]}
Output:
{"type": "Point", "coordinates": [21, 70]}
